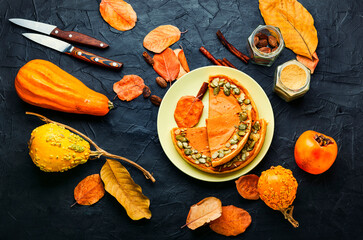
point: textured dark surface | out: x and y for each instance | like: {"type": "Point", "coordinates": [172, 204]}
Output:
{"type": "Point", "coordinates": [36, 205]}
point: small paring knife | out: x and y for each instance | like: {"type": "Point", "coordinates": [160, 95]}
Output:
{"type": "Point", "coordinates": [69, 49]}
{"type": "Point", "coordinates": [69, 36]}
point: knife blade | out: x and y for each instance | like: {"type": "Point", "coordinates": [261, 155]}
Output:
{"type": "Point", "coordinates": [52, 30]}
{"type": "Point", "coordinates": [69, 49]}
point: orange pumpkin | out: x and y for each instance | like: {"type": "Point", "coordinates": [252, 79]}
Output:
{"type": "Point", "coordinates": [43, 84]}
{"type": "Point", "coordinates": [277, 188]}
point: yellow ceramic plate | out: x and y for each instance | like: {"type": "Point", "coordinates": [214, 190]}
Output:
{"type": "Point", "coordinates": [190, 84]}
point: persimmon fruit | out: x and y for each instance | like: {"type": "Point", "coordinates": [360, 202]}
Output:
{"type": "Point", "coordinates": [315, 152]}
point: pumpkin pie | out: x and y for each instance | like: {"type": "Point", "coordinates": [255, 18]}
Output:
{"type": "Point", "coordinates": [233, 135]}
{"type": "Point", "coordinates": [192, 145]}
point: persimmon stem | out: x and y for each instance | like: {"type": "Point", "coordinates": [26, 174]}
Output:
{"type": "Point", "coordinates": [288, 215]}
{"type": "Point", "coordinates": [322, 140]}
{"type": "Point", "coordinates": [99, 151]}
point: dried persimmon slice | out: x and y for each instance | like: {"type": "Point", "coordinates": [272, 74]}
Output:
{"type": "Point", "coordinates": [129, 87]}
{"type": "Point", "coordinates": [247, 186]}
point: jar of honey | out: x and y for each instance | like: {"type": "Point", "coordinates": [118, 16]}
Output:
{"type": "Point", "coordinates": [292, 80]}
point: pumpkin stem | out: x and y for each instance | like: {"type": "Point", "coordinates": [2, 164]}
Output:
{"type": "Point", "coordinates": [95, 155]}
{"type": "Point", "coordinates": [146, 173]}
{"type": "Point", "coordinates": [110, 105]}
{"type": "Point", "coordinates": [288, 215]}
{"type": "Point", "coordinates": [99, 151]}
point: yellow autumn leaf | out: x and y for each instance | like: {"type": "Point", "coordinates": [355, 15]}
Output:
{"type": "Point", "coordinates": [295, 22]}
{"type": "Point", "coordinates": [119, 184]}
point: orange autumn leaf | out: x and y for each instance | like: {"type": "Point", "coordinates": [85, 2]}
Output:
{"type": "Point", "coordinates": [233, 221]}
{"type": "Point", "coordinates": [129, 87]}
{"type": "Point", "coordinates": [89, 191]}
{"type": "Point", "coordinates": [189, 109]}
{"type": "Point", "coordinates": [161, 38]}
{"type": "Point", "coordinates": [247, 186]}
{"type": "Point", "coordinates": [167, 65]}
{"type": "Point", "coordinates": [119, 14]}
{"type": "Point", "coordinates": [182, 72]}
{"type": "Point", "coordinates": [294, 21]}
{"type": "Point", "coordinates": [203, 212]}
{"type": "Point", "coordinates": [311, 64]}
{"type": "Point", "coordinates": [183, 61]}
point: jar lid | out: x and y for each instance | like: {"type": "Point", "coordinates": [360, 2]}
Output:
{"type": "Point", "coordinates": [287, 85]}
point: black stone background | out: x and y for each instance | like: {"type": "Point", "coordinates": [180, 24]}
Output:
{"type": "Point", "coordinates": [36, 205]}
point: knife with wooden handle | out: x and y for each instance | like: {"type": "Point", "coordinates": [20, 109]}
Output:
{"type": "Point", "coordinates": [69, 36]}
{"type": "Point", "coordinates": [69, 49]}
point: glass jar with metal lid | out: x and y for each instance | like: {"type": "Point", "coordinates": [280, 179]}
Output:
{"type": "Point", "coordinates": [265, 44]}
{"type": "Point", "coordinates": [292, 80]}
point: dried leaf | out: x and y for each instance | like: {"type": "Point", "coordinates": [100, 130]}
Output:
{"type": "Point", "coordinates": [129, 87]}
{"type": "Point", "coordinates": [89, 191]}
{"type": "Point", "coordinates": [189, 109]}
{"type": "Point", "coordinates": [119, 14]}
{"type": "Point", "coordinates": [119, 184]}
{"type": "Point", "coordinates": [311, 64]}
{"type": "Point", "coordinates": [295, 22]}
{"type": "Point", "coordinates": [183, 60]}
{"type": "Point", "coordinates": [233, 221]}
{"type": "Point", "coordinates": [167, 65]}
{"type": "Point", "coordinates": [161, 38]}
{"type": "Point", "coordinates": [203, 212]}
{"type": "Point", "coordinates": [247, 186]}
{"type": "Point", "coordinates": [182, 72]}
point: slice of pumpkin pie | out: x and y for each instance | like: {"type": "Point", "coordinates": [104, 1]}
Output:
{"type": "Point", "coordinates": [227, 134]}
{"type": "Point", "coordinates": [227, 95]}
{"type": "Point", "coordinates": [192, 145]}
{"type": "Point", "coordinates": [250, 150]}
